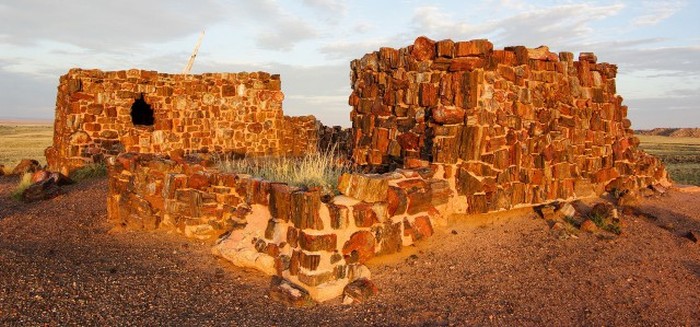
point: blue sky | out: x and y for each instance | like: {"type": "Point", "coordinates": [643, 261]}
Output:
{"type": "Point", "coordinates": [656, 44]}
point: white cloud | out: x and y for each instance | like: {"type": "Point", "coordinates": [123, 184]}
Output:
{"type": "Point", "coordinates": [336, 7]}
{"type": "Point", "coordinates": [104, 24]}
{"type": "Point", "coordinates": [657, 11]}
{"type": "Point", "coordinates": [285, 34]}
{"type": "Point", "coordinates": [351, 50]}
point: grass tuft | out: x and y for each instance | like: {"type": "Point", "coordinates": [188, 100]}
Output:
{"type": "Point", "coordinates": [314, 170]}
{"type": "Point", "coordinates": [606, 224]}
{"type": "Point", "coordinates": [89, 171]}
{"type": "Point", "coordinates": [24, 182]}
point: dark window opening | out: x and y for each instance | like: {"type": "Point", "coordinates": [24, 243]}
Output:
{"type": "Point", "coordinates": [141, 112]}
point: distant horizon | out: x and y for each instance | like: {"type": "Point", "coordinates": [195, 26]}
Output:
{"type": "Point", "coordinates": [8, 120]}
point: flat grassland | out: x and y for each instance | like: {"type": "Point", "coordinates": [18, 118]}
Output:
{"type": "Point", "coordinates": [681, 155]}
{"type": "Point", "coordinates": [24, 141]}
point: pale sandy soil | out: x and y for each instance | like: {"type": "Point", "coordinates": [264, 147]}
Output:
{"type": "Point", "coordinates": [60, 266]}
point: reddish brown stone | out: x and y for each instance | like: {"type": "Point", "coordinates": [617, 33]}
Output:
{"type": "Point", "coordinates": [423, 49]}
{"type": "Point", "coordinates": [422, 227]}
{"type": "Point", "coordinates": [396, 201]}
{"type": "Point", "coordinates": [26, 166]}
{"type": "Point", "coordinates": [419, 200]}
{"type": "Point", "coordinates": [588, 57]}
{"type": "Point", "coordinates": [440, 191]}
{"type": "Point", "coordinates": [309, 261]}
{"type": "Point", "coordinates": [339, 216]}
{"type": "Point", "coordinates": [477, 203]}
{"type": "Point", "coordinates": [466, 64]}
{"type": "Point", "coordinates": [428, 94]}
{"type": "Point", "coordinates": [359, 291]}
{"type": "Point", "coordinates": [293, 236]}
{"type": "Point", "coordinates": [280, 201]}
{"type": "Point", "coordinates": [390, 240]}
{"type": "Point", "coordinates": [198, 182]}
{"type": "Point", "coordinates": [312, 242]}
{"type": "Point", "coordinates": [282, 290]}
{"type": "Point", "coordinates": [409, 141]}
{"type": "Point", "coordinates": [445, 48]}
{"type": "Point", "coordinates": [467, 183]}
{"type": "Point", "coordinates": [448, 115]}
{"type": "Point", "coordinates": [360, 247]}
{"type": "Point", "coordinates": [473, 48]}
{"type": "Point", "coordinates": [305, 209]}
{"type": "Point", "coordinates": [364, 215]}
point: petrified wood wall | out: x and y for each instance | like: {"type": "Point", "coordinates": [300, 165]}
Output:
{"type": "Point", "coordinates": [520, 125]}
{"type": "Point", "coordinates": [226, 112]}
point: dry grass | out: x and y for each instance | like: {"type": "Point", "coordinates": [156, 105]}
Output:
{"type": "Point", "coordinates": [23, 184]}
{"type": "Point", "coordinates": [19, 142]}
{"type": "Point", "coordinates": [314, 170]}
{"type": "Point", "coordinates": [681, 155]}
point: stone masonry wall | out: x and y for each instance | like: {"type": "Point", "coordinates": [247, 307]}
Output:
{"type": "Point", "coordinates": [223, 112]}
{"type": "Point", "coordinates": [280, 229]}
{"type": "Point", "coordinates": [471, 130]}
{"type": "Point", "coordinates": [519, 125]}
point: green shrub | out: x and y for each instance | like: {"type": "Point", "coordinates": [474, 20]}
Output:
{"type": "Point", "coordinates": [24, 182]}
{"type": "Point", "coordinates": [88, 172]}
{"type": "Point", "coordinates": [314, 170]}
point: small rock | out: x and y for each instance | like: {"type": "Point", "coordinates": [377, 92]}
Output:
{"type": "Point", "coordinates": [2, 170]}
{"type": "Point", "coordinates": [60, 179]}
{"type": "Point", "coordinates": [589, 226]}
{"type": "Point", "coordinates": [558, 226]}
{"type": "Point", "coordinates": [454, 232]}
{"type": "Point", "coordinates": [694, 235]}
{"type": "Point", "coordinates": [631, 198]}
{"type": "Point", "coordinates": [359, 291]}
{"type": "Point", "coordinates": [548, 212]}
{"type": "Point", "coordinates": [567, 210]}
{"type": "Point", "coordinates": [604, 210]}
{"type": "Point", "coordinates": [658, 188]}
{"type": "Point", "coordinates": [43, 190]}
{"type": "Point", "coordinates": [26, 166]}
{"type": "Point", "coordinates": [284, 291]}
{"type": "Point", "coordinates": [40, 175]}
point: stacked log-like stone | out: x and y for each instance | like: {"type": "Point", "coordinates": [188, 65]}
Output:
{"type": "Point", "coordinates": [519, 125]}
{"type": "Point", "coordinates": [222, 112]}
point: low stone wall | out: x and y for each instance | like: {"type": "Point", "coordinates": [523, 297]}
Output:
{"type": "Point", "coordinates": [319, 244]}
{"type": "Point", "coordinates": [280, 229]}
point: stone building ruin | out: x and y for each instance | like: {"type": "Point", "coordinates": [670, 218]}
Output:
{"type": "Point", "coordinates": [102, 114]}
{"type": "Point", "coordinates": [446, 127]}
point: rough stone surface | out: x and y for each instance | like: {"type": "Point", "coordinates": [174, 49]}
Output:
{"type": "Point", "coordinates": [26, 166]}
{"type": "Point", "coordinates": [284, 291]}
{"type": "Point", "coordinates": [360, 290]}
{"type": "Point", "coordinates": [235, 112]}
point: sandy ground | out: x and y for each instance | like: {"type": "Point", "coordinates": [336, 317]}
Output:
{"type": "Point", "coordinates": [60, 265]}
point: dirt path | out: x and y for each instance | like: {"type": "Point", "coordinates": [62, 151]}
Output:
{"type": "Point", "coordinates": [59, 265]}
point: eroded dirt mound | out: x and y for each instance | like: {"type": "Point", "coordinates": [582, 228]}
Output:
{"type": "Point", "coordinates": [61, 265]}
{"type": "Point", "coordinates": [672, 132]}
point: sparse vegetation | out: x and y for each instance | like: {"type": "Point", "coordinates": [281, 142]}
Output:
{"type": "Point", "coordinates": [89, 171]}
{"type": "Point", "coordinates": [606, 223]}
{"type": "Point", "coordinates": [314, 170]}
{"type": "Point", "coordinates": [19, 142]}
{"type": "Point", "coordinates": [681, 155]}
{"type": "Point", "coordinates": [24, 182]}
